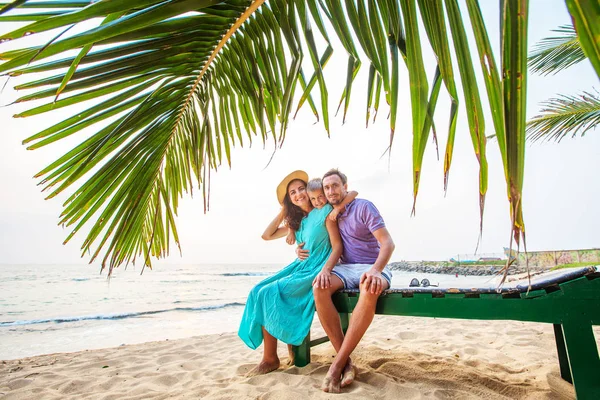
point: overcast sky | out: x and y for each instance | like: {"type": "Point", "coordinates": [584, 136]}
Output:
{"type": "Point", "coordinates": [561, 195]}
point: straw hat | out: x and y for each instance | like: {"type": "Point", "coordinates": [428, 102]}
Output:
{"type": "Point", "coordinates": [282, 187]}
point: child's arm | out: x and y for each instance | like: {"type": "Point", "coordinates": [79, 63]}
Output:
{"type": "Point", "coordinates": [291, 236]}
{"type": "Point", "coordinates": [338, 208]}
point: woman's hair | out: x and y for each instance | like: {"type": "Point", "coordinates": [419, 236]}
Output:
{"type": "Point", "coordinates": [314, 185]}
{"type": "Point", "coordinates": [293, 213]}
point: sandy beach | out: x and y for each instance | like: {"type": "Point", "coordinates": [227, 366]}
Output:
{"type": "Point", "coordinates": [400, 357]}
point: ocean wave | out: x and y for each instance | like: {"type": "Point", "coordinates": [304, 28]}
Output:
{"type": "Point", "coordinates": [116, 316]}
{"type": "Point", "coordinates": [247, 274]}
{"type": "Point", "coordinates": [184, 281]}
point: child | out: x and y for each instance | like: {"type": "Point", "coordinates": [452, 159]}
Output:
{"type": "Point", "coordinates": [314, 188]}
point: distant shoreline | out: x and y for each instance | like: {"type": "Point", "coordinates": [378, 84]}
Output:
{"type": "Point", "coordinates": [430, 267]}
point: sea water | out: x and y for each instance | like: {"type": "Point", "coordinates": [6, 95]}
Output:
{"type": "Point", "coordinates": [65, 308]}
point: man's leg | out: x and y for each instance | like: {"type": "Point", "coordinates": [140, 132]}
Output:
{"type": "Point", "coordinates": [330, 320]}
{"type": "Point", "coordinates": [362, 316]}
{"type": "Point", "coordinates": [328, 315]}
{"type": "Point", "coordinates": [270, 360]}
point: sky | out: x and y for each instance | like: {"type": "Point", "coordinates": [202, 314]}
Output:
{"type": "Point", "coordinates": [561, 190]}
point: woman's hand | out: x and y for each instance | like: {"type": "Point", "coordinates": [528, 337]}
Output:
{"type": "Point", "coordinates": [323, 280]}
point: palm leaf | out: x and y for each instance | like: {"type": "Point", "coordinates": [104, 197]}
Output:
{"type": "Point", "coordinates": [553, 54]}
{"type": "Point", "coordinates": [7, 7]}
{"type": "Point", "coordinates": [565, 115]}
{"type": "Point", "coordinates": [171, 86]}
{"type": "Point", "coordinates": [435, 26]}
{"type": "Point", "coordinates": [472, 99]}
{"type": "Point", "coordinates": [586, 18]}
{"type": "Point", "coordinates": [514, 67]}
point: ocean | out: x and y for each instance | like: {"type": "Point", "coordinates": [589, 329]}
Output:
{"type": "Point", "coordinates": [64, 308]}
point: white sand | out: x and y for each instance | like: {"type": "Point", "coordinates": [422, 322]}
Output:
{"type": "Point", "coordinates": [400, 357]}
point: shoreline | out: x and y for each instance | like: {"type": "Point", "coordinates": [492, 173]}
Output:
{"type": "Point", "coordinates": [445, 268]}
{"type": "Point", "coordinates": [404, 357]}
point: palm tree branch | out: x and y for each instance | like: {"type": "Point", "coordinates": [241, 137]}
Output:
{"type": "Point", "coordinates": [556, 53]}
{"type": "Point", "coordinates": [236, 25]}
{"type": "Point", "coordinates": [181, 79]}
{"type": "Point", "coordinates": [565, 115]}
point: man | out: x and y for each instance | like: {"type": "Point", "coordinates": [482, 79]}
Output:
{"type": "Point", "coordinates": [368, 247]}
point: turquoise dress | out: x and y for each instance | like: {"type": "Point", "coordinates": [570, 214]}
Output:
{"type": "Point", "coordinates": [284, 303]}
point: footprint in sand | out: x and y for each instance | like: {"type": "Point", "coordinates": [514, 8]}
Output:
{"type": "Point", "coordinates": [453, 332]}
{"type": "Point", "coordinates": [166, 380]}
{"type": "Point", "coordinates": [18, 383]}
{"type": "Point", "coordinates": [407, 335]}
{"type": "Point", "coordinates": [450, 394]}
{"type": "Point", "coordinates": [244, 369]}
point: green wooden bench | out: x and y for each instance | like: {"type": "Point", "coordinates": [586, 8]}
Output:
{"type": "Point", "coordinates": [568, 299]}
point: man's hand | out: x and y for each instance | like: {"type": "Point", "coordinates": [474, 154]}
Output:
{"type": "Point", "coordinates": [333, 215]}
{"type": "Point", "coordinates": [373, 281]}
{"type": "Point", "coordinates": [301, 253]}
{"type": "Point", "coordinates": [291, 237]}
{"type": "Point", "coordinates": [323, 280]}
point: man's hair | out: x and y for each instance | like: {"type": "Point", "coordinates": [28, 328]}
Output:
{"type": "Point", "coordinates": [335, 171]}
{"type": "Point", "coordinates": [314, 185]}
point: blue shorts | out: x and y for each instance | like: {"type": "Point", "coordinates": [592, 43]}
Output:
{"type": "Point", "coordinates": [350, 274]}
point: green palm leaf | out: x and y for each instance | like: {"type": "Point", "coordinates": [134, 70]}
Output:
{"type": "Point", "coordinates": [565, 115]}
{"type": "Point", "coordinates": [553, 54]}
{"type": "Point", "coordinates": [171, 86]}
{"type": "Point", "coordinates": [586, 18]}
{"type": "Point", "coordinates": [514, 66]}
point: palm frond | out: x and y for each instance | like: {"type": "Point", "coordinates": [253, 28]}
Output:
{"type": "Point", "coordinates": [171, 86]}
{"type": "Point", "coordinates": [556, 53]}
{"type": "Point", "coordinates": [565, 115]}
{"type": "Point", "coordinates": [586, 16]}
{"type": "Point", "coordinates": [514, 87]}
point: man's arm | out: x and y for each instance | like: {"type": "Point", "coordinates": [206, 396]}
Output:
{"type": "Point", "coordinates": [372, 278]}
{"type": "Point", "coordinates": [386, 249]}
{"type": "Point", "coordinates": [301, 253]}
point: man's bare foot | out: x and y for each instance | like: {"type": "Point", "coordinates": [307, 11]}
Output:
{"type": "Point", "coordinates": [263, 368]}
{"type": "Point", "coordinates": [331, 383]}
{"type": "Point", "coordinates": [348, 374]}
{"type": "Point", "coordinates": [292, 357]}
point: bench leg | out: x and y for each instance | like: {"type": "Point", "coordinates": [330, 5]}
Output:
{"type": "Point", "coordinates": [302, 352]}
{"type": "Point", "coordinates": [563, 360]}
{"type": "Point", "coordinates": [345, 320]}
{"type": "Point", "coordinates": [584, 361]}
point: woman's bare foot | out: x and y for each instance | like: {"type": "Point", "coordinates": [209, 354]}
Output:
{"type": "Point", "coordinates": [263, 368]}
{"type": "Point", "coordinates": [348, 374]}
{"type": "Point", "coordinates": [292, 357]}
{"type": "Point", "coordinates": [331, 383]}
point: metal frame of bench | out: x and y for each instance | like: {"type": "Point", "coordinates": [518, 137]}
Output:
{"type": "Point", "coordinates": [569, 301]}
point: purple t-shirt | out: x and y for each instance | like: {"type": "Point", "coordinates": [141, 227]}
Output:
{"type": "Point", "coordinates": [357, 224]}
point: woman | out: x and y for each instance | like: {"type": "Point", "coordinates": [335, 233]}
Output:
{"type": "Point", "coordinates": [281, 307]}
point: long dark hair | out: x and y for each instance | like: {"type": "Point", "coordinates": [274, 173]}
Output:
{"type": "Point", "coordinates": [293, 213]}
